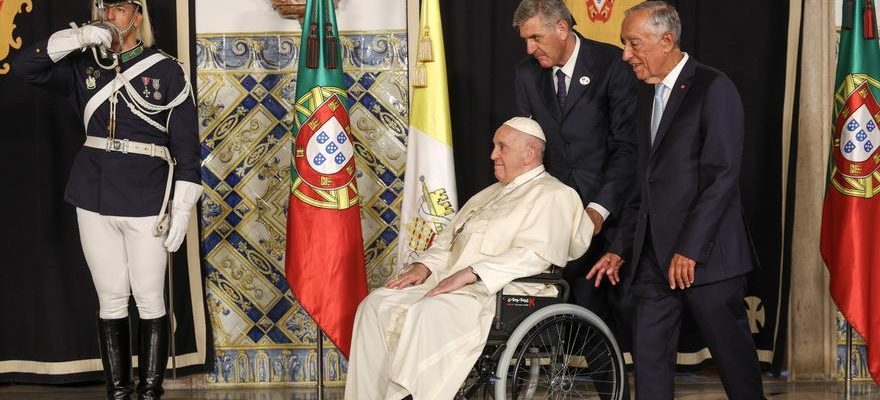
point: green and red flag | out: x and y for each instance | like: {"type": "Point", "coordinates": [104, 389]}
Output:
{"type": "Point", "coordinates": [849, 243]}
{"type": "Point", "coordinates": [325, 251]}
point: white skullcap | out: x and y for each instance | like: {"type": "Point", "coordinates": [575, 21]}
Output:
{"type": "Point", "coordinates": [528, 126]}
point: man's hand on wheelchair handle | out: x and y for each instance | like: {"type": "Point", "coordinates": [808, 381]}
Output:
{"type": "Point", "coordinates": [597, 220]}
{"type": "Point", "coordinates": [415, 276]}
{"type": "Point", "coordinates": [609, 265]}
{"type": "Point", "coordinates": [453, 282]}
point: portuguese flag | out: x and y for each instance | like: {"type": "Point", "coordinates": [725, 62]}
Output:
{"type": "Point", "coordinates": [849, 243]}
{"type": "Point", "coordinates": [325, 251]}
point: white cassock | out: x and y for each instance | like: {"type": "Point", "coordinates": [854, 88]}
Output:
{"type": "Point", "coordinates": [404, 343]}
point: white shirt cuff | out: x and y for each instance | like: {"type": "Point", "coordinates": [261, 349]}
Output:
{"type": "Point", "coordinates": [601, 210]}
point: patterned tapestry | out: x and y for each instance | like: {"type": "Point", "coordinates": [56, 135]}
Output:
{"type": "Point", "coordinates": [246, 86]}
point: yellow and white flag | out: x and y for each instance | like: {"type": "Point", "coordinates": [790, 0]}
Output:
{"type": "Point", "coordinates": [600, 19]}
{"type": "Point", "coordinates": [429, 199]}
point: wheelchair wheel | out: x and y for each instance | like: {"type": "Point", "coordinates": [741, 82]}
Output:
{"type": "Point", "coordinates": [561, 351]}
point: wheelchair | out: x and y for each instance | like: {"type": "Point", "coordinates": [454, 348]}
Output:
{"type": "Point", "coordinates": [544, 348]}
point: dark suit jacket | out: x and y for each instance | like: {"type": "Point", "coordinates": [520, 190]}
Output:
{"type": "Point", "coordinates": [689, 179]}
{"type": "Point", "coordinates": [591, 144]}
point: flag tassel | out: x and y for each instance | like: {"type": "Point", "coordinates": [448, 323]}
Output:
{"type": "Point", "coordinates": [426, 48]}
{"type": "Point", "coordinates": [312, 47]}
{"type": "Point", "coordinates": [420, 78]}
{"type": "Point", "coordinates": [869, 21]}
{"type": "Point", "coordinates": [847, 22]}
{"type": "Point", "coordinates": [330, 46]}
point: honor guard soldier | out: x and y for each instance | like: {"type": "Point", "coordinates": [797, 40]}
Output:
{"type": "Point", "coordinates": [136, 106]}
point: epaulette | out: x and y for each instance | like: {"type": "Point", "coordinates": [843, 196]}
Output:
{"type": "Point", "coordinates": [169, 56]}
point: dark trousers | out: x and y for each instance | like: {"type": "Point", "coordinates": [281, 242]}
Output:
{"type": "Point", "coordinates": [720, 314]}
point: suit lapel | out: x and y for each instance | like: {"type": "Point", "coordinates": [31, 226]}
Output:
{"type": "Point", "coordinates": [545, 87]}
{"type": "Point", "coordinates": [581, 69]}
{"type": "Point", "coordinates": [679, 91]}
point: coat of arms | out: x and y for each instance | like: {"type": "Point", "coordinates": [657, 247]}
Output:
{"type": "Point", "coordinates": [435, 212]}
{"type": "Point", "coordinates": [8, 10]}
{"type": "Point", "coordinates": [324, 158]}
{"type": "Point", "coordinates": [857, 137]}
{"type": "Point", "coordinates": [599, 10]}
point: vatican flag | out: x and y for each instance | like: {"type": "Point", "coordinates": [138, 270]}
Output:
{"type": "Point", "coordinates": [429, 199]}
{"type": "Point", "coordinates": [600, 20]}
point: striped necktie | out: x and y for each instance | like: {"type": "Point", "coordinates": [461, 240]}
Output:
{"type": "Point", "coordinates": [560, 88]}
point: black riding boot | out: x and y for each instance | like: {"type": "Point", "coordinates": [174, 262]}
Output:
{"type": "Point", "coordinates": [152, 357]}
{"type": "Point", "coordinates": [116, 356]}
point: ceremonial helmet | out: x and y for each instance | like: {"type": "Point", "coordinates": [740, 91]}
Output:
{"type": "Point", "coordinates": [144, 31]}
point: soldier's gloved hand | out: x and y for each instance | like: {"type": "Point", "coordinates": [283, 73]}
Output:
{"type": "Point", "coordinates": [185, 196]}
{"type": "Point", "coordinates": [90, 35]}
{"type": "Point", "coordinates": [63, 42]}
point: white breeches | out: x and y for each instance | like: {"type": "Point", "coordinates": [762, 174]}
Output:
{"type": "Point", "coordinates": [124, 258]}
{"type": "Point", "coordinates": [404, 343]}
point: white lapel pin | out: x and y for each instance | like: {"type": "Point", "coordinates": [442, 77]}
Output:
{"type": "Point", "coordinates": [584, 81]}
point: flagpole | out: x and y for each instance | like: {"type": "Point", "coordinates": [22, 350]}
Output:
{"type": "Point", "coordinates": [847, 388]}
{"type": "Point", "coordinates": [320, 363]}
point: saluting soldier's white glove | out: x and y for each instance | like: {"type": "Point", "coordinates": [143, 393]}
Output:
{"type": "Point", "coordinates": [61, 43]}
{"type": "Point", "coordinates": [185, 196]}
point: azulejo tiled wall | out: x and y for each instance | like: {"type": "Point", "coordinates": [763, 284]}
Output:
{"type": "Point", "coordinates": [246, 84]}
{"type": "Point", "coordinates": [859, 353]}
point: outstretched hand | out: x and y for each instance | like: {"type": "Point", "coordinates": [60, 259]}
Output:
{"type": "Point", "coordinates": [607, 266]}
{"type": "Point", "coordinates": [415, 276]}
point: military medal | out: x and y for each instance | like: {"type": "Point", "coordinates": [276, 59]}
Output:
{"type": "Point", "coordinates": [90, 78]}
{"type": "Point", "coordinates": [146, 82]}
{"type": "Point", "coordinates": [156, 94]}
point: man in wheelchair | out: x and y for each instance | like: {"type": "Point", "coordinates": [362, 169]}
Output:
{"type": "Point", "coordinates": [420, 335]}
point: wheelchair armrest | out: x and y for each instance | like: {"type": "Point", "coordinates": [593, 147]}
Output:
{"type": "Point", "coordinates": [549, 279]}
{"type": "Point", "coordinates": [554, 277]}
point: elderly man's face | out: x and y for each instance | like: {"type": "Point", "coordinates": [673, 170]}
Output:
{"type": "Point", "coordinates": [545, 43]}
{"type": "Point", "coordinates": [645, 49]}
{"type": "Point", "coordinates": [510, 155]}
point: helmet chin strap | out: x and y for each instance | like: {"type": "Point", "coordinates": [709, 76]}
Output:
{"type": "Point", "coordinates": [124, 32]}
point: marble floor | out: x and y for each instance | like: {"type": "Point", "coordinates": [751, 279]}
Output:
{"type": "Point", "coordinates": [687, 388]}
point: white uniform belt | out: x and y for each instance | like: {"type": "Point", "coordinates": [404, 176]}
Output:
{"type": "Point", "coordinates": [126, 146]}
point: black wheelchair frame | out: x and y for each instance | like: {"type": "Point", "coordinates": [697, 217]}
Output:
{"type": "Point", "coordinates": [553, 350]}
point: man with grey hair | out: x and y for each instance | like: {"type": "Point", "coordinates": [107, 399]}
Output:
{"type": "Point", "coordinates": [584, 97]}
{"type": "Point", "coordinates": [421, 334]}
{"type": "Point", "coordinates": [686, 232]}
